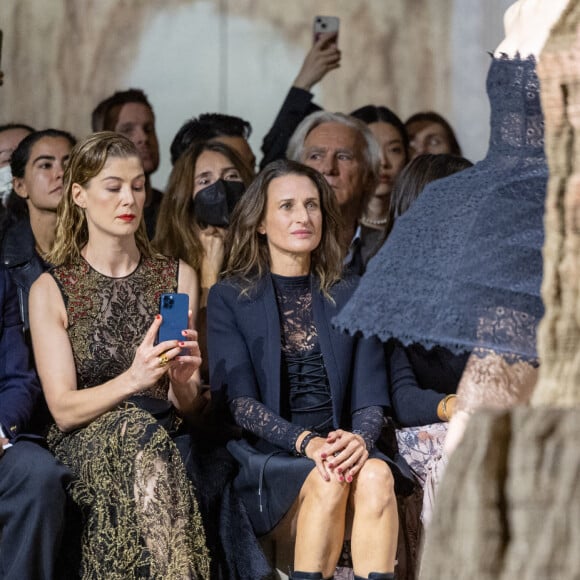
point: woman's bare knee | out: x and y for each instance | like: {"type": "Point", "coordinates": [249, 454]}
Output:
{"type": "Point", "coordinates": [374, 486]}
{"type": "Point", "coordinates": [328, 495]}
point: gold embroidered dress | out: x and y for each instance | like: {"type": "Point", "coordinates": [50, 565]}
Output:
{"type": "Point", "coordinates": [141, 519]}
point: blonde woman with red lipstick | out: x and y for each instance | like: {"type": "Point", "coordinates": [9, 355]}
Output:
{"type": "Point", "coordinates": [311, 400]}
{"type": "Point", "coordinates": [119, 400]}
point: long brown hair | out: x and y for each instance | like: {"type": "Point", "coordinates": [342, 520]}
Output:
{"type": "Point", "coordinates": [248, 257]}
{"type": "Point", "coordinates": [177, 230]}
{"type": "Point", "coordinates": [87, 159]}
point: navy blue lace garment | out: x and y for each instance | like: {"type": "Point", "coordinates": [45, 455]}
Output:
{"type": "Point", "coordinates": [462, 267]}
{"type": "Point", "coordinates": [304, 379]}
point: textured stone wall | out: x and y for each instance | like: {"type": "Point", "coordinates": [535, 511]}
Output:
{"type": "Point", "coordinates": [559, 331]}
{"type": "Point", "coordinates": [240, 56]}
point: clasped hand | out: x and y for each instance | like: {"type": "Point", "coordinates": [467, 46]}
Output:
{"type": "Point", "coordinates": [341, 455]}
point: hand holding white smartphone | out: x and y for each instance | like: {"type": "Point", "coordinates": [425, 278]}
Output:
{"type": "Point", "coordinates": [324, 25]}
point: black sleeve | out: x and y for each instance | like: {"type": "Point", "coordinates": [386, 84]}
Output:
{"type": "Point", "coordinates": [19, 386]}
{"type": "Point", "coordinates": [368, 423]}
{"type": "Point", "coordinates": [296, 107]}
{"type": "Point", "coordinates": [412, 405]}
{"type": "Point", "coordinates": [256, 418]}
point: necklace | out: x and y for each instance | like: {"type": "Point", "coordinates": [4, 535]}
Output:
{"type": "Point", "coordinates": [372, 222]}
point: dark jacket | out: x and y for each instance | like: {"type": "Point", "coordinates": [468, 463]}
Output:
{"type": "Point", "coordinates": [296, 107]}
{"type": "Point", "coordinates": [18, 254]}
{"type": "Point", "coordinates": [19, 387]}
{"type": "Point", "coordinates": [244, 343]}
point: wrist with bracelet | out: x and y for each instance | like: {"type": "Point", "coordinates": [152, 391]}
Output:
{"type": "Point", "coordinates": [444, 414]}
{"type": "Point", "coordinates": [304, 443]}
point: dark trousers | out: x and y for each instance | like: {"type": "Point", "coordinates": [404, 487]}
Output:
{"type": "Point", "coordinates": [32, 508]}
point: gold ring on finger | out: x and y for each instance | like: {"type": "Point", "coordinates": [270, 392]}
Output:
{"type": "Point", "coordinates": [163, 360]}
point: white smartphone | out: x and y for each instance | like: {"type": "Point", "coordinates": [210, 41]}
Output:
{"type": "Point", "coordinates": [324, 24]}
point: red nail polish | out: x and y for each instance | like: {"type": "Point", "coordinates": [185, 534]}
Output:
{"type": "Point", "coordinates": [158, 317]}
{"type": "Point", "coordinates": [184, 333]}
{"type": "Point", "coordinates": [339, 470]}
{"type": "Point", "coordinates": [341, 479]}
{"type": "Point", "coordinates": [330, 465]}
{"type": "Point", "coordinates": [349, 478]}
{"type": "Point", "coordinates": [323, 455]}
{"type": "Point", "coordinates": [182, 344]}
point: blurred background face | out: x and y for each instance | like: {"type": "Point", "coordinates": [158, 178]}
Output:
{"type": "Point", "coordinates": [9, 140]}
{"type": "Point", "coordinates": [137, 122]}
{"type": "Point", "coordinates": [211, 166]}
{"type": "Point", "coordinates": [393, 155]}
{"type": "Point", "coordinates": [41, 185]}
{"type": "Point", "coordinates": [427, 137]}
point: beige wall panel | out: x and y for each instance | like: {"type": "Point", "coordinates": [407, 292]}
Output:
{"type": "Point", "coordinates": [240, 56]}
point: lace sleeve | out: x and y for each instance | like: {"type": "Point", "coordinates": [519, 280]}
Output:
{"type": "Point", "coordinates": [256, 418]}
{"type": "Point", "coordinates": [368, 423]}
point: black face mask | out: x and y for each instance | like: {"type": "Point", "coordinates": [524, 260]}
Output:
{"type": "Point", "coordinates": [213, 205]}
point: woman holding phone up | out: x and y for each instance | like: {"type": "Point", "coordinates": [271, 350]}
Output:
{"type": "Point", "coordinates": [310, 399]}
{"type": "Point", "coordinates": [116, 396]}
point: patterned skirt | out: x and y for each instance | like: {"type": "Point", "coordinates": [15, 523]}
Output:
{"type": "Point", "coordinates": [140, 515]}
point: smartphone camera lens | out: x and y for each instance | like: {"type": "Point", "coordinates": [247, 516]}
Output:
{"type": "Point", "coordinates": [168, 301]}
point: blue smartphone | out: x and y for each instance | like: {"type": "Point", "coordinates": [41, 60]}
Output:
{"type": "Point", "coordinates": [174, 309]}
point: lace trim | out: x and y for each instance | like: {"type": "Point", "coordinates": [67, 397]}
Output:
{"type": "Point", "coordinates": [256, 418]}
{"type": "Point", "coordinates": [368, 423]}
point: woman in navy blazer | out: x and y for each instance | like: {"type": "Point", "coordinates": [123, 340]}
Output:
{"type": "Point", "coordinates": [311, 400]}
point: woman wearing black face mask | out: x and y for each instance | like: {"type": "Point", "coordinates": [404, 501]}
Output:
{"type": "Point", "coordinates": [192, 228]}
{"type": "Point", "coordinates": [185, 230]}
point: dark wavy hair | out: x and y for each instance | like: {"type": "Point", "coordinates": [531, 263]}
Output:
{"type": "Point", "coordinates": [205, 127]}
{"type": "Point", "coordinates": [248, 257]}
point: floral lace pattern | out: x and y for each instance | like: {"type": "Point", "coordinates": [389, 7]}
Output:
{"type": "Point", "coordinates": [256, 418]}
{"type": "Point", "coordinates": [294, 297]}
{"type": "Point", "coordinates": [124, 308]}
{"type": "Point", "coordinates": [464, 263]}
{"type": "Point", "coordinates": [141, 518]}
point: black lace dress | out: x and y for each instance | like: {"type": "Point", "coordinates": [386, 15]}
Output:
{"type": "Point", "coordinates": [141, 518]}
{"type": "Point", "coordinates": [462, 267]}
{"type": "Point", "coordinates": [271, 475]}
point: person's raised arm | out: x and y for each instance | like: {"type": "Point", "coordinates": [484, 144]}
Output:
{"type": "Point", "coordinates": [322, 57]}
{"type": "Point", "coordinates": [72, 407]}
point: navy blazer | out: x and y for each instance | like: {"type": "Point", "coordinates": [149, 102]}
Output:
{"type": "Point", "coordinates": [244, 347]}
{"type": "Point", "coordinates": [19, 386]}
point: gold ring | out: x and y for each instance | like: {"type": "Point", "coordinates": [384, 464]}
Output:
{"type": "Point", "coordinates": [163, 360]}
